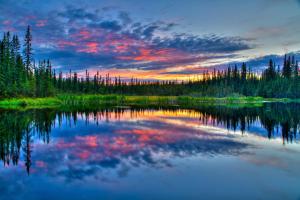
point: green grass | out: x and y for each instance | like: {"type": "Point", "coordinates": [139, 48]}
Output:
{"type": "Point", "coordinates": [31, 102]}
{"type": "Point", "coordinates": [92, 101]}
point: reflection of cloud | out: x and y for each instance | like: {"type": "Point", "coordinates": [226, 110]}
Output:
{"type": "Point", "coordinates": [121, 140]}
{"type": "Point", "coordinates": [118, 151]}
{"type": "Point", "coordinates": [123, 145]}
{"type": "Point", "coordinates": [102, 147]}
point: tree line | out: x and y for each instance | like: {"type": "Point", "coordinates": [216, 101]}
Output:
{"type": "Point", "coordinates": [20, 75]}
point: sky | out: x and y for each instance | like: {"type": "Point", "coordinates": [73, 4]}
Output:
{"type": "Point", "coordinates": [158, 39]}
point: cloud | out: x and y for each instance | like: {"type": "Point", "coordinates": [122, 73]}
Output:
{"type": "Point", "coordinates": [125, 17]}
{"type": "Point", "coordinates": [76, 37]}
{"type": "Point", "coordinates": [129, 51]}
{"type": "Point", "coordinates": [210, 43]}
{"type": "Point", "coordinates": [147, 31]}
{"type": "Point", "coordinates": [76, 60]}
{"type": "Point", "coordinates": [109, 25]}
{"type": "Point", "coordinates": [256, 64]}
{"type": "Point", "coordinates": [72, 14]}
{"type": "Point", "coordinates": [262, 62]}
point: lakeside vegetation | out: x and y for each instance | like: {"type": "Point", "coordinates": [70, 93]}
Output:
{"type": "Point", "coordinates": [25, 83]}
{"type": "Point", "coordinates": [96, 101]}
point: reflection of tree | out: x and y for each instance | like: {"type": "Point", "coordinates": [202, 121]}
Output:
{"type": "Point", "coordinates": [27, 149]}
{"type": "Point", "coordinates": [12, 129]}
{"type": "Point", "coordinates": [19, 128]}
{"type": "Point", "coordinates": [43, 121]}
{"type": "Point", "coordinates": [270, 116]}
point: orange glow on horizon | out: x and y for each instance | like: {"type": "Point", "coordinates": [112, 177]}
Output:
{"type": "Point", "coordinates": [159, 74]}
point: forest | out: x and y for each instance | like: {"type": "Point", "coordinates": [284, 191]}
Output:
{"type": "Point", "coordinates": [21, 76]}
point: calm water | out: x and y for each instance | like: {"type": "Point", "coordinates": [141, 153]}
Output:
{"type": "Point", "coordinates": [208, 153]}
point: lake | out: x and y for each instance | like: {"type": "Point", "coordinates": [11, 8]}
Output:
{"type": "Point", "coordinates": [212, 152]}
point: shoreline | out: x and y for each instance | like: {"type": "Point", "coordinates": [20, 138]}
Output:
{"type": "Point", "coordinates": [94, 101]}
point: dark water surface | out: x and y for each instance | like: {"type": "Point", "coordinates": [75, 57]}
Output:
{"type": "Point", "coordinates": [207, 153]}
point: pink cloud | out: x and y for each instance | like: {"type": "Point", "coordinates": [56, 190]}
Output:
{"type": "Point", "coordinates": [63, 43]}
{"type": "Point", "coordinates": [149, 54]}
{"type": "Point", "coordinates": [85, 34]}
{"type": "Point", "coordinates": [90, 47]}
{"type": "Point", "coordinates": [41, 23]}
{"type": "Point", "coordinates": [6, 22]}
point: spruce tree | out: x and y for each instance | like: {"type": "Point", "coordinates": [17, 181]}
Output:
{"type": "Point", "coordinates": [28, 50]}
{"type": "Point", "coordinates": [296, 69]}
{"type": "Point", "coordinates": [270, 73]}
{"type": "Point", "coordinates": [244, 72]}
{"type": "Point", "coordinates": [287, 70]}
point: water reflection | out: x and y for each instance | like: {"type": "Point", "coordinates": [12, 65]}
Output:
{"type": "Point", "coordinates": [81, 143]}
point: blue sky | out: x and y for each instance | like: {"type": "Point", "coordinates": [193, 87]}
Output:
{"type": "Point", "coordinates": [163, 39]}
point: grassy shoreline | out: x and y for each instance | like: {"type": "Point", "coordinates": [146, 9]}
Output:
{"type": "Point", "coordinates": [89, 101]}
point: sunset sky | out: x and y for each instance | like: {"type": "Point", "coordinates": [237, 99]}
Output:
{"type": "Point", "coordinates": [159, 39]}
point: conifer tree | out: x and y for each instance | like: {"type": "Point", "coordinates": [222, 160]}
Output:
{"type": "Point", "coordinates": [287, 70]}
{"type": "Point", "coordinates": [28, 50]}
{"type": "Point", "coordinates": [270, 72]}
{"type": "Point", "coordinates": [296, 69]}
{"type": "Point", "coordinates": [244, 72]}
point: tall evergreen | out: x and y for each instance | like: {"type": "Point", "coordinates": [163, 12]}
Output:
{"type": "Point", "coordinates": [28, 50]}
{"type": "Point", "coordinates": [270, 72]}
{"type": "Point", "coordinates": [296, 69]}
{"type": "Point", "coordinates": [287, 70]}
{"type": "Point", "coordinates": [244, 72]}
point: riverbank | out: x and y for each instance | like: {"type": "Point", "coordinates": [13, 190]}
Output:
{"type": "Point", "coordinates": [89, 101]}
